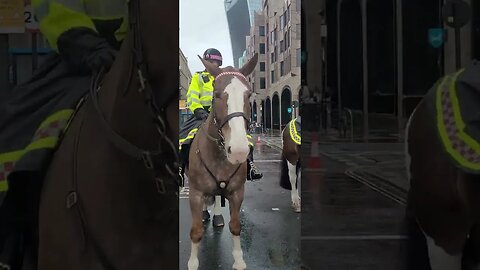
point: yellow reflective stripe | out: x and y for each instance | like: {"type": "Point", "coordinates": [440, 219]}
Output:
{"type": "Point", "coordinates": [49, 142]}
{"type": "Point", "coordinates": [293, 132]}
{"type": "Point", "coordinates": [60, 19]}
{"type": "Point", "coordinates": [3, 185]}
{"type": "Point", "coordinates": [60, 115]}
{"type": "Point", "coordinates": [441, 125]}
{"type": "Point", "coordinates": [458, 117]}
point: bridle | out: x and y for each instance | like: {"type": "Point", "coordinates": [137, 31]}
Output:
{"type": "Point", "coordinates": [219, 125]}
{"type": "Point", "coordinates": [169, 163]}
{"type": "Point", "coordinates": [166, 147]}
{"type": "Point", "coordinates": [221, 183]}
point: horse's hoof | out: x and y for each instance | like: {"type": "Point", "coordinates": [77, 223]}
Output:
{"type": "Point", "coordinates": [206, 216]}
{"type": "Point", "coordinates": [218, 221]}
{"type": "Point", "coordinates": [296, 207]}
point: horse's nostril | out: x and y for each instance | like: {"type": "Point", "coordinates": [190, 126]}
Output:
{"type": "Point", "coordinates": [229, 149]}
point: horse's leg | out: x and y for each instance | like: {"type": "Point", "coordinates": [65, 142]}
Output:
{"type": "Point", "coordinates": [440, 259]}
{"type": "Point", "coordinates": [196, 232]}
{"type": "Point", "coordinates": [292, 173]}
{"type": "Point", "coordinates": [235, 201]}
{"type": "Point", "coordinates": [218, 220]}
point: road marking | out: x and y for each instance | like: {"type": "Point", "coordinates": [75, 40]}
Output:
{"type": "Point", "coordinates": [267, 160]}
{"type": "Point", "coordinates": [354, 237]}
{"type": "Point", "coordinates": [184, 193]}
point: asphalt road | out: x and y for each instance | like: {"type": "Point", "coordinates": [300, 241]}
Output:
{"type": "Point", "coordinates": [348, 225]}
{"type": "Point", "coordinates": [270, 235]}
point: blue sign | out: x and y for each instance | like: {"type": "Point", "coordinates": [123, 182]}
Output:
{"type": "Point", "coordinates": [436, 37]}
{"type": "Point", "coordinates": [289, 110]}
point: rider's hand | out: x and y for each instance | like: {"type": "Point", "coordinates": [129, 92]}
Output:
{"type": "Point", "coordinates": [200, 114]}
{"type": "Point", "coordinates": [85, 50]}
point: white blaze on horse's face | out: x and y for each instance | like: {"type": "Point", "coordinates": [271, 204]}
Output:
{"type": "Point", "coordinates": [236, 142]}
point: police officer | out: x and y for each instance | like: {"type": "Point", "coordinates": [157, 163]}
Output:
{"type": "Point", "coordinates": [84, 36]}
{"type": "Point", "coordinates": [199, 101]}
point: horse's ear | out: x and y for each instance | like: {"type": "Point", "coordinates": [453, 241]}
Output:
{"type": "Point", "coordinates": [211, 68]}
{"type": "Point", "coordinates": [250, 65]}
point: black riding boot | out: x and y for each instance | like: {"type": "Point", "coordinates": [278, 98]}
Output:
{"type": "Point", "coordinates": [252, 171]}
{"type": "Point", "coordinates": [183, 162]}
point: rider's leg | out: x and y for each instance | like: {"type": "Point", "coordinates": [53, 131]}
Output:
{"type": "Point", "coordinates": [252, 171]}
{"type": "Point", "coordinates": [183, 161]}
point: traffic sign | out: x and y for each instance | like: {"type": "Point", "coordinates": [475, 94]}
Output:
{"type": "Point", "coordinates": [436, 37]}
{"type": "Point", "coordinates": [456, 13]}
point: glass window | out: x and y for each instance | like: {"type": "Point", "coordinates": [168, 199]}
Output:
{"type": "Point", "coordinates": [262, 83]}
{"type": "Point", "coordinates": [262, 66]}
{"type": "Point", "coordinates": [282, 69]}
{"type": "Point", "coordinates": [272, 76]}
{"type": "Point", "coordinates": [262, 48]}
{"type": "Point", "coordinates": [261, 30]}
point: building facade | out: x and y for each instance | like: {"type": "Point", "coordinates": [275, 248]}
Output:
{"type": "Point", "coordinates": [240, 15]}
{"type": "Point", "coordinates": [276, 37]}
{"type": "Point", "coordinates": [184, 82]}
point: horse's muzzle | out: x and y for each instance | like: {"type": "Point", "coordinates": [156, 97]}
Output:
{"type": "Point", "coordinates": [237, 154]}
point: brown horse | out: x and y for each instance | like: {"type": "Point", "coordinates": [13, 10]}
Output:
{"type": "Point", "coordinates": [443, 198]}
{"type": "Point", "coordinates": [108, 202]}
{"type": "Point", "coordinates": [218, 154]}
{"type": "Point", "coordinates": [291, 171]}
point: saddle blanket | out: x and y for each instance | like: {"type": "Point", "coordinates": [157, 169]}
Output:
{"type": "Point", "coordinates": [34, 116]}
{"type": "Point", "coordinates": [455, 102]}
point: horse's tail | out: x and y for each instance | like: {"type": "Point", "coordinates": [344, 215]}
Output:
{"type": "Point", "coordinates": [284, 177]}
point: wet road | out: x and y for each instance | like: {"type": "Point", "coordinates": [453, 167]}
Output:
{"type": "Point", "coordinates": [348, 225]}
{"type": "Point", "coordinates": [270, 229]}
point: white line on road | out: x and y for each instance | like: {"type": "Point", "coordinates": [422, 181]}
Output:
{"type": "Point", "coordinates": [355, 237]}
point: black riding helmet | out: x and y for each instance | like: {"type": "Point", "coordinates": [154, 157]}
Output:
{"type": "Point", "coordinates": [214, 55]}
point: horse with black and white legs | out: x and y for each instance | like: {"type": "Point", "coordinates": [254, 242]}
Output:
{"type": "Point", "coordinates": [291, 171]}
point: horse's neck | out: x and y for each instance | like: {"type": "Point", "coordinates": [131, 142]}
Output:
{"type": "Point", "coordinates": [209, 147]}
{"type": "Point", "coordinates": [121, 102]}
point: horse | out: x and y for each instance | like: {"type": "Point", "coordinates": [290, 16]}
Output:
{"type": "Point", "coordinates": [291, 172]}
{"type": "Point", "coordinates": [443, 198]}
{"type": "Point", "coordinates": [217, 158]}
{"type": "Point", "coordinates": [110, 195]}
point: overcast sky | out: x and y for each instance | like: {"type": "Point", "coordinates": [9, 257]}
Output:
{"type": "Point", "coordinates": [203, 25]}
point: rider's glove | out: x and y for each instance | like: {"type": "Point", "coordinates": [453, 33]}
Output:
{"type": "Point", "coordinates": [200, 114]}
{"type": "Point", "coordinates": [85, 50]}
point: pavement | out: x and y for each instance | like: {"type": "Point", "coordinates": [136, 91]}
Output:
{"type": "Point", "coordinates": [380, 165]}
{"type": "Point", "coordinates": [270, 235]}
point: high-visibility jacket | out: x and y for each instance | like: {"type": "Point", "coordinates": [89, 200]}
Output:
{"type": "Point", "coordinates": [200, 91]}
{"type": "Point", "coordinates": [57, 16]}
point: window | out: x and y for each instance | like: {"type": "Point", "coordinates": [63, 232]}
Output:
{"type": "Point", "coordinates": [299, 57]}
{"type": "Point", "coordinates": [299, 31]}
{"type": "Point", "coordinates": [272, 58]}
{"type": "Point", "coordinates": [272, 76]}
{"type": "Point", "coordinates": [262, 83]}
{"type": "Point", "coordinates": [281, 46]}
{"type": "Point", "coordinates": [282, 69]}
{"type": "Point", "coordinates": [299, 5]}
{"type": "Point", "coordinates": [282, 22]}
{"type": "Point", "coordinates": [262, 66]}
{"type": "Point", "coordinates": [262, 48]}
{"type": "Point", "coordinates": [275, 54]}
{"type": "Point", "coordinates": [261, 30]}
{"type": "Point", "coordinates": [289, 15]}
